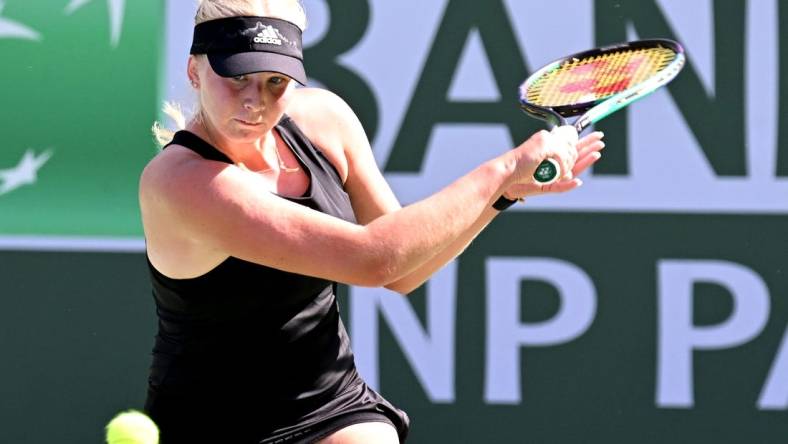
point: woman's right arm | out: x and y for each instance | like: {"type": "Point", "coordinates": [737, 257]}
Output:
{"type": "Point", "coordinates": [219, 208]}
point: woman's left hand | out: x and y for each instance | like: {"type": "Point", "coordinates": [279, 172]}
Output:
{"type": "Point", "coordinates": [588, 148]}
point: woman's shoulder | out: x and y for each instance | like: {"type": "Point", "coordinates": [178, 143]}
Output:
{"type": "Point", "coordinates": [171, 169]}
{"type": "Point", "coordinates": [324, 114]}
{"type": "Point", "coordinates": [328, 122]}
{"type": "Point", "coordinates": [169, 157]}
{"type": "Point", "coordinates": [317, 106]}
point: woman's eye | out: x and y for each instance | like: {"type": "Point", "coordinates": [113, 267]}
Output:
{"type": "Point", "coordinates": [239, 78]}
{"type": "Point", "coordinates": [276, 80]}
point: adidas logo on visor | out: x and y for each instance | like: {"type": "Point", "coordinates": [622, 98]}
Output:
{"type": "Point", "coordinates": [269, 35]}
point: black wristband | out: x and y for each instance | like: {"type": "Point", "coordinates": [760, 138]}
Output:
{"type": "Point", "coordinates": [503, 203]}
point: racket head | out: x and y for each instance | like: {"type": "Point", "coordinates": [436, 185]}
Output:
{"type": "Point", "coordinates": [607, 78]}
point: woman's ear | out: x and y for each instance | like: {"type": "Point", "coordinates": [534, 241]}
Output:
{"type": "Point", "coordinates": [192, 72]}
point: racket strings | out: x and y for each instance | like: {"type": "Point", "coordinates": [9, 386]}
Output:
{"type": "Point", "coordinates": [598, 77]}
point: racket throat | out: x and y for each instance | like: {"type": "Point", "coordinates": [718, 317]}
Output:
{"type": "Point", "coordinates": [552, 118]}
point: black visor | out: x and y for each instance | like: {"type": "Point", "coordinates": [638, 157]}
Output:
{"type": "Point", "coordinates": [243, 45]}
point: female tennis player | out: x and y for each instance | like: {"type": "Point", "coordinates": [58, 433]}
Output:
{"type": "Point", "coordinates": [267, 198]}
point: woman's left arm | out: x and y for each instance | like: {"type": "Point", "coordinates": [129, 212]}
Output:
{"type": "Point", "coordinates": [588, 153]}
{"type": "Point", "coordinates": [334, 126]}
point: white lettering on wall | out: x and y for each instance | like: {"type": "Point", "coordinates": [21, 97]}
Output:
{"type": "Point", "coordinates": [678, 338]}
{"type": "Point", "coordinates": [506, 334]}
{"type": "Point", "coordinates": [429, 349]}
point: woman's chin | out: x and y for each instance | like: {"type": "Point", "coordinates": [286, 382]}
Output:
{"type": "Point", "coordinates": [245, 130]}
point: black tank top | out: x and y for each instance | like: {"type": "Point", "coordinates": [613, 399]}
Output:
{"type": "Point", "coordinates": [253, 335]}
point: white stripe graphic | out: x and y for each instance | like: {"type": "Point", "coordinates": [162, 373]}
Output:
{"type": "Point", "coordinates": [116, 13]}
{"type": "Point", "coordinates": [10, 29]}
{"type": "Point", "coordinates": [73, 244]}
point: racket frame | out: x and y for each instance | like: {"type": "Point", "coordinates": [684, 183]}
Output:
{"type": "Point", "coordinates": [597, 110]}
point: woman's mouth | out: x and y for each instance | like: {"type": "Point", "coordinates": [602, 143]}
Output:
{"type": "Point", "coordinates": [247, 123]}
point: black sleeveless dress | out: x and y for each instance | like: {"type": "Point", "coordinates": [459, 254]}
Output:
{"type": "Point", "coordinates": [250, 354]}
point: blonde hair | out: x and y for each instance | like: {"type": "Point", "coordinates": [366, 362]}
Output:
{"type": "Point", "coordinates": [290, 10]}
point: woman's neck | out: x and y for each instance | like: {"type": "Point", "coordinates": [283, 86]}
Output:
{"type": "Point", "coordinates": [259, 154]}
{"type": "Point", "coordinates": [239, 151]}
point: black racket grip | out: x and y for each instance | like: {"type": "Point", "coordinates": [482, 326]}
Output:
{"type": "Point", "coordinates": [547, 171]}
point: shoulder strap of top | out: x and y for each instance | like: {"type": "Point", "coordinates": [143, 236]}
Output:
{"type": "Point", "coordinates": [192, 141]}
{"type": "Point", "coordinates": [298, 141]}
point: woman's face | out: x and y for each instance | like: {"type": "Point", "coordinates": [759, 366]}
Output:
{"type": "Point", "coordinates": [241, 108]}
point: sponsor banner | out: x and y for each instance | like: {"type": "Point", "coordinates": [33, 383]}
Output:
{"type": "Point", "coordinates": [579, 327]}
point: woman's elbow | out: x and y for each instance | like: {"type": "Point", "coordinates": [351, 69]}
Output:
{"type": "Point", "coordinates": [376, 265]}
{"type": "Point", "coordinates": [383, 272]}
{"type": "Point", "coordinates": [384, 264]}
{"type": "Point", "coordinates": [401, 288]}
{"type": "Point", "coordinates": [372, 272]}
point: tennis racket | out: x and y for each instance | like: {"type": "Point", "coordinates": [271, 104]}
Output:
{"type": "Point", "coordinates": [597, 83]}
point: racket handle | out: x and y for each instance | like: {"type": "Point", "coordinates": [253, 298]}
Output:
{"type": "Point", "coordinates": [547, 171]}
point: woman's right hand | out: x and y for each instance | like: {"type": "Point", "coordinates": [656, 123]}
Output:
{"type": "Point", "coordinates": [588, 153]}
{"type": "Point", "coordinates": [559, 144]}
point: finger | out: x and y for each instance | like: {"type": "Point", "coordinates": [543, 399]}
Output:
{"type": "Point", "coordinates": [587, 142]}
{"type": "Point", "coordinates": [585, 162]}
{"type": "Point", "coordinates": [596, 146]}
{"type": "Point", "coordinates": [570, 157]}
{"type": "Point", "coordinates": [595, 135]}
{"type": "Point", "coordinates": [566, 166]}
{"type": "Point", "coordinates": [590, 139]}
{"type": "Point", "coordinates": [562, 186]}
{"type": "Point", "coordinates": [567, 185]}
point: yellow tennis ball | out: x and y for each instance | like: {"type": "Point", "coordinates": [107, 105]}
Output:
{"type": "Point", "coordinates": [132, 427]}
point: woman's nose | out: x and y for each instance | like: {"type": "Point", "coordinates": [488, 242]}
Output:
{"type": "Point", "coordinates": [252, 106]}
{"type": "Point", "coordinates": [255, 101]}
